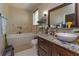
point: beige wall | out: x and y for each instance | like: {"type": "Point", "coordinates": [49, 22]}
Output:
{"type": "Point", "coordinates": [19, 17]}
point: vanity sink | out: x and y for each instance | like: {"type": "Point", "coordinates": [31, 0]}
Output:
{"type": "Point", "coordinates": [68, 37]}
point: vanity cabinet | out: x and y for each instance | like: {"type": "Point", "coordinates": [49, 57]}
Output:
{"type": "Point", "coordinates": [47, 48]}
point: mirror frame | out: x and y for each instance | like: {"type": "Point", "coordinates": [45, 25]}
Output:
{"type": "Point", "coordinates": [60, 6]}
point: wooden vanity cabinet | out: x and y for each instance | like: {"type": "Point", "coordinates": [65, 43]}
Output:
{"type": "Point", "coordinates": [47, 48]}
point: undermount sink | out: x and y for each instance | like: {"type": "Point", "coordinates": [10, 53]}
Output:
{"type": "Point", "coordinates": [68, 37]}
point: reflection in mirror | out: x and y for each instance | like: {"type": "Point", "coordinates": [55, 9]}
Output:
{"type": "Point", "coordinates": [63, 16]}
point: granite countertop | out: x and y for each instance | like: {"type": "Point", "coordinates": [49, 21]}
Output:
{"type": "Point", "coordinates": [51, 38]}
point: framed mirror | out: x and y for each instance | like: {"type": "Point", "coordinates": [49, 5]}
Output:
{"type": "Point", "coordinates": [62, 14]}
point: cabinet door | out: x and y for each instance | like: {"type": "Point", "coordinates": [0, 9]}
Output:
{"type": "Point", "coordinates": [53, 50]}
{"type": "Point", "coordinates": [43, 47]}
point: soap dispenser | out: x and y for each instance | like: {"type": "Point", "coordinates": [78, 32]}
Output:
{"type": "Point", "coordinates": [69, 24]}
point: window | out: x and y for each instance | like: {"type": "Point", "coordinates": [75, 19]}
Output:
{"type": "Point", "coordinates": [35, 17]}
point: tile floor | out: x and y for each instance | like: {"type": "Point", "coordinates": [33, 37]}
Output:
{"type": "Point", "coordinates": [29, 52]}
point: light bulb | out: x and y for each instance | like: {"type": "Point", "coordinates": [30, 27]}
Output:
{"type": "Point", "coordinates": [45, 12]}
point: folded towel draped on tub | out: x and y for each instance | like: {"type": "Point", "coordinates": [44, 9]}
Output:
{"type": "Point", "coordinates": [20, 41]}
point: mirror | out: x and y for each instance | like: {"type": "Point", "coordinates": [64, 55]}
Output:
{"type": "Point", "coordinates": [62, 14]}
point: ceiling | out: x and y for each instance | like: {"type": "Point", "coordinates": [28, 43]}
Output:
{"type": "Point", "coordinates": [26, 6]}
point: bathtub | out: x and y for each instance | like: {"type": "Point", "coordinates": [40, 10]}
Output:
{"type": "Point", "coordinates": [20, 41]}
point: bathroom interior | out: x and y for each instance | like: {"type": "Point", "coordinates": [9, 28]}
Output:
{"type": "Point", "coordinates": [39, 29]}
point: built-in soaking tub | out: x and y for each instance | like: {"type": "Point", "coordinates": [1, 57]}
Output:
{"type": "Point", "coordinates": [20, 41]}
